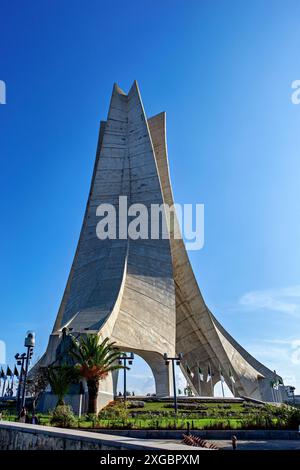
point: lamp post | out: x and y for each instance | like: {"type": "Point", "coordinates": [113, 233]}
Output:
{"type": "Point", "coordinates": [21, 360]}
{"type": "Point", "coordinates": [123, 358]}
{"type": "Point", "coordinates": [177, 359]}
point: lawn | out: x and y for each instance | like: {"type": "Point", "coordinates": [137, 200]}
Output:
{"type": "Point", "coordinates": [195, 415]}
{"type": "Point", "coordinates": [157, 414]}
{"type": "Point", "coordinates": [163, 423]}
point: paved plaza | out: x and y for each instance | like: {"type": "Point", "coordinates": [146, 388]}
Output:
{"type": "Point", "coordinates": [275, 444]}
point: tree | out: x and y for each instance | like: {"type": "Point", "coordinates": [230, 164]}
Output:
{"type": "Point", "coordinates": [37, 382]}
{"type": "Point", "coordinates": [60, 379]}
{"type": "Point", "coordinates": [94, 360]}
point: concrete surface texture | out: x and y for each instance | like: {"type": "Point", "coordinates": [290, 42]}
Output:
{"type": "Point", "coordinates": [18, 436]}
{"type": "Point", "coordinates": [208, 434]}
{"type": "Point", "coordinates": [143, 294]}
{"type": "Point", "coordinates": [259, 445]}
{"type": "Point", "coordinates": [245, 445]}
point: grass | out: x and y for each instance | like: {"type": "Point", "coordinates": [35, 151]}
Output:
{"type": "Point", "coordinates": [163, 406]}
{"type": "Point", "coordinates": [43, 418]}
{"type": "Point", "coordinates": [198, 415]}
{"type": "Point", "coordinates": [163, 423]}
{"type": "Point", "coordinates": [149, 423]}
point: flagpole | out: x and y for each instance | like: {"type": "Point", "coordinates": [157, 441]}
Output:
{"type": "Point", "coordinates": [199, 380]}
{"type": "Point", "coordinates": [273, 392]}
{"type": "Point", "coordinates": [211, 381]}
{"type": "Point", "coordinates": [4, 384]}
{"type": "Point", "coordinates": [232, 381]}
{"type": "Point", "coordinates": [2, 376]}
{"type": "Point", "coordinates": [12, 385]}
{"type": "Point", "coordinates": [221, 378]}
{"type": "Point", "coordinates": [16, 374]}
{"type": "Point", "coordinates": [275, 382]}
{"type": "Point", "coordinates": [20, 383]}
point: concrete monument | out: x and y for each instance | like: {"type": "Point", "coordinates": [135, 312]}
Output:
{"type": "Point", "coordinates": [142, 293]}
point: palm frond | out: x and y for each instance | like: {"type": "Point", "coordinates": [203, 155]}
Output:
{"type": "Point", "coordinates": [94, 358]}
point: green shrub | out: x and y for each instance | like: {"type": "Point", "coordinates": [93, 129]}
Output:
{"type": "Point", "coordinates": [135, 404]}
{"type": "Point", "coordinates": [219, 425]}
{"type": "Point", "coordinates": [293, 418]}
{"type": "Point", "coordinates": [62, 416]}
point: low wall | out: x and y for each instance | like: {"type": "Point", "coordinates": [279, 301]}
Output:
{"type": "Point", "coordinates": [19, 436]}
{"type": "Point", "coordinates": [48, 401]}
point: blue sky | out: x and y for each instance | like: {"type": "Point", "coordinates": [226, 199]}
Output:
{"type": "Point", "coordinates": [222, 71]}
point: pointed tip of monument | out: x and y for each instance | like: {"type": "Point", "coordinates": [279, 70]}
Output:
{"type": "Point", "coordinates": [117, 89]}
{"type": "Point", "coordinates": [134, 88]}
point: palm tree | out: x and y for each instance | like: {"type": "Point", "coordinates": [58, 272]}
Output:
{"type": "Point", "coordinates": [94, 360]}
{"type": "Point", "coordinates": [60, 379]}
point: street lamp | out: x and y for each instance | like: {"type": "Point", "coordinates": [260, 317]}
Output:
{"type": "Point", "coordinates": [177, 359]}
{"type": "Point", "coordinates": [123, 359]}
{"type": "Point", "coordinates": [22, 359]}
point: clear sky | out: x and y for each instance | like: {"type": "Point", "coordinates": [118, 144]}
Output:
{"type": "Point", "coordinates": [222, 70]}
